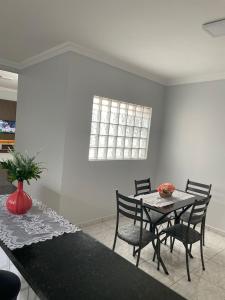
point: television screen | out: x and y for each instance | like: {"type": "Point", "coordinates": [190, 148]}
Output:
{"type": "Point", "coordinates": [7, 126]}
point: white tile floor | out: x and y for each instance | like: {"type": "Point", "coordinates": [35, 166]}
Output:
{"type": "Point", "coordinates": [205, 285]}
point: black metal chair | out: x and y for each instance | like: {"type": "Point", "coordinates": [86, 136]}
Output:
{"type": "Point", "coordinates": [135, 235]}
{"type": "Point", "coordinates": [186, 234]}
{"type": "Point", "coordinates": [196, 188]}
{"type": "Point", "coordinates": [143, 187]}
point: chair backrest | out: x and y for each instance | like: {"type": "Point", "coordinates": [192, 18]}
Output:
{"type": "Point", "coordinates": [197, 188]}
{"type": "Point", "coordinates": [198, 211]}
{"type": "Point", "coordinates": [142, 186]}
{"type": "Point", "coordinates": [129, 207]}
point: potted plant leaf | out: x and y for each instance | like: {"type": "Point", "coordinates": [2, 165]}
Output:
{"type": "Point", "coordinates": [21, 167]}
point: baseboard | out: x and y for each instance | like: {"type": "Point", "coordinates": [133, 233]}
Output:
{"type": "Point", "coordinates": [110, 217]}
{"type": "Point", "coordinates": [96, 221]}
{"type": "Point", "coordinates": [216, 230]}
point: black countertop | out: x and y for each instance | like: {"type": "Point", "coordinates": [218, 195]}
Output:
{"type": "Point", "coordinates": [76, 266]}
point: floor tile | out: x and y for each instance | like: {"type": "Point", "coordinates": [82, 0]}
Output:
{"type": "Point", "coordinates": [23, 295]}
{"type": "Point", "coordinates": [151, 268]}
{"type": "Point", "coordinates": [177, 260]}
{"type": "Point", "coordinates": [219, 258]}
{"type": "Point", "coordinates": [96, 229]}
{"type": "Point", "coordinates": [106, 237]}
{"type": "Point", "coordinates": [214, 273]}
{"type": "Point", "coordinates": [198, 289]}
{"type": "Point", "coordinates": [4, 260]}
{"type": "Point", "coordinates": [214, 240]}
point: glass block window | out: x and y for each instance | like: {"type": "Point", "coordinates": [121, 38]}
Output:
{"type": "Point", "coordinates": [119, 130]}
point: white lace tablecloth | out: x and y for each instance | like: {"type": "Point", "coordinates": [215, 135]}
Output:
{"type": "Point", "coordinates": [154, 199]}
{"type": "Point", "coordinates": [38, 224]}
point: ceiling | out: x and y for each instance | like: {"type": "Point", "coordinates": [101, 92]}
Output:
{"type": "Point", "coordinates": [157, 37]}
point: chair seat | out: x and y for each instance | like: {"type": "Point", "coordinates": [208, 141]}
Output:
{"type": "Point", "coordinates": [131, 234]}
{"type": "Point", "coordinates": [178, 231]}
{"type": "Point", "coordinates": [195, 219]}
{"type": "Point", "coordinates": [155, 216]}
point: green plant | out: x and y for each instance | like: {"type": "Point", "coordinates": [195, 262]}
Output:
{"type": "Point", "coordinates": [22, 167]}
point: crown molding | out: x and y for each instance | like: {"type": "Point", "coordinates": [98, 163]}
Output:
{"type": "Point", "coordinates": [196, 79]}
{"type": "Point", "coordinates": [8, 64]}
{"type": "Point", "coordinates": [96, 55]}
{"type": "Point", "coordinates": [45, 55]}
{"type": "Point", "coordinates": [102, 57]}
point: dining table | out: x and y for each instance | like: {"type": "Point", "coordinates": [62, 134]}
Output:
{"type": "Point", "coordinates": [76, 266]}
{"type": "Point", "coordinates": [172, 207]}
{"type": "Point", "coordinates": [177, 204]}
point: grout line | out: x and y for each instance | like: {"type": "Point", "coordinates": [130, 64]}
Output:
{"type": "Point", "coordinates": [209, 282]}
{"type": "Point", "coordinates": [216, 254]}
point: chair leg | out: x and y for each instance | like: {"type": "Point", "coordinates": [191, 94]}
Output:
{"type": "Point", "coordinates": [201, 249]}
{"type": "Point", "coordinates": [138, 257]}
{"type": "Point", "coordinates": [134, 251]}
{"type": "Point", "coordinates": [158, 251]}
{"type": "Point", "coordinates": [203, 233]}
{"type": "Point", "coordinates": [187, 263]}
{"type": "Point", "coordinates": [171, 245]}
{"type": "Point", "coordinates": [160, 261]}
{"type": "Point", "coordinates": [189, 251]}
{"type": "Point", "coordinates": [191, 256]}
{"type": "Point", "coordinates": [114, 243]}
{"type": "Point", "coordinates": [153, 259]}
{"type": "Point", "coordinates": [135, 215]}
{"type": "Point", "coordinates": [168, 225]}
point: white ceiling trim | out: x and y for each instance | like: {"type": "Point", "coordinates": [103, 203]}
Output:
{"type": "Point", "coordinates": [9, 64]}
{"type": "Point", "coordinates": [45, 55]}
{"type": "Point", "coordinates": [72, 47]}
{"type": "Point", "coordinates": [196, 79]}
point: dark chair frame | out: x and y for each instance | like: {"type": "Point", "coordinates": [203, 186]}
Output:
{"type": "Point", "coordinates": [143, 186]}
{"type": "Point", "coordinates": [198, 210]}
{"type": "Point", "coordinates": [133, 209]}
{"type": "Point", "coordinates": [196, 188]}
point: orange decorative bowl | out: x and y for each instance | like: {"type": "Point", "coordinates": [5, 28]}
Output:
{"type": "Point", "coordinates": [166, 189]}
{"type": "Point", "coordinates": [165, 195]}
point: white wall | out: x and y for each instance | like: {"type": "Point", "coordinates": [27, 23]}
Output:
{"type": "Point", "coordinates": [88, 188]}
{"type": "Point", "coordinates": [41, 108]}
{"type": "Point", "coordinates": [7, 94]}
{"type": "Point", "coordinates": [192, 142]}
{"type": "Point", "coordinates": [54, 113]}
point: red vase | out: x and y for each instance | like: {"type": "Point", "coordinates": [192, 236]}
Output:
{"type": "Point", "coordinates": [19, 202]}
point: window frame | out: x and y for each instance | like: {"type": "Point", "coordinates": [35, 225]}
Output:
{"type": "Point", "coordinates": [124, 109]}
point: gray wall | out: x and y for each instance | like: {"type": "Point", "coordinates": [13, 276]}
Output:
{"type": "Point", "coordinates": [41, 115]}
{"type": "Point", "coordinates": [192, 141]}
{"type": "Point", "coordinates": [54, 113]}
{"type": "Point", "coordinates": [89, 187]}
